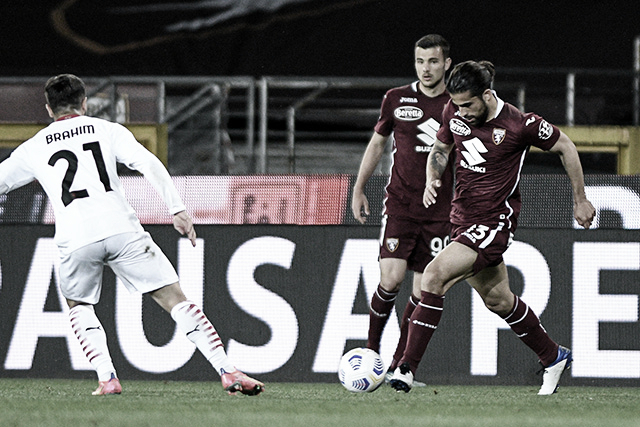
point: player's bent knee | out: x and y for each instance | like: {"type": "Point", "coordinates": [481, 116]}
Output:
{"type": "Point", "coordinates": [433, 283]}
{"type": "Point", "coordinates": [168, 296]}
{"type": "Point", "coordinates": [391, 280]}
{"type": "Point", "coordinates": [390, 285]}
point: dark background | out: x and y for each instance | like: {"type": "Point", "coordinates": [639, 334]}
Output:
{"type": "Point", "coordinates": [312, 37]}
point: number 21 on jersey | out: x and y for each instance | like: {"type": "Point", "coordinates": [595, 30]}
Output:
{"type": "Point", "coordinates": [69, 196]}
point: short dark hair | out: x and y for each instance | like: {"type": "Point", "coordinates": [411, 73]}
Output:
{"type": "Point", "coordinates": [64, 92]}
{"type": "Point", "coordinates": [434, 40]}
{"type": "Point", "coordinates": [474, 77]}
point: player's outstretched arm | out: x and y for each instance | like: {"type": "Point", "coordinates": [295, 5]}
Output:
{"type": "Point", "coordinates": [436, 165]}
{"type": "Point", "coordinates": [583, 210]}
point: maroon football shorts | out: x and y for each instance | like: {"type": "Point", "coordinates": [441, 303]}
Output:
{"type": "Point", "coordinates": [417, 242]}
{"type": "Point", "coordinates": [489, 241]}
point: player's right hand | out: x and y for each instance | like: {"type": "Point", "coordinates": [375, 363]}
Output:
{"type": "Point", "coordinates": [431, 192]}
{"type": "Point", "coordinates": [360, 206]}
{"type": "Point", "coordinates": [184, 225]}
{"type": "Point", "coordinates": [584, 212]}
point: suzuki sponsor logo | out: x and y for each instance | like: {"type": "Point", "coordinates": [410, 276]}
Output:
{"type": "Point", "coordinates": [479, 169]}
{"type": "Point", "coordinates": [423, 149]}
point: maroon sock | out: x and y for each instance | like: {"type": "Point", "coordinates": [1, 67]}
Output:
{"type": "Point", "coordinates": [524, 322]}
{"type": "Point", "coordinates": [423, 323]}
{"type": "Point", "coordinates": [382, 303]}
{"type": "Point", "coordinates": [404, 331]}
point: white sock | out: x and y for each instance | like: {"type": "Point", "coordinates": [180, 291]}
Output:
{"type": "Point", "coordinates": [194, 323]}
{"type": "Point", "coordinates": [93, 340]}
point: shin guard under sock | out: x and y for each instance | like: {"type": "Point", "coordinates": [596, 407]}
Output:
{"type": "Point", "coordinates": [404, 331]}
{"type": "Point", "coordinates": [382, 303]}
{"type": "Point", "coordinates": [93, 340]}
{"type": "Point", "coordinates": [423, 323]}
{"type": "Point", "coordinates": [526, 325]}
{"type": "Point", "coordinates": [194, 323]}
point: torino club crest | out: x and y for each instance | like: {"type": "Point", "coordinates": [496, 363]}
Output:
{"type": "Point", "coordinates": [498, 136]}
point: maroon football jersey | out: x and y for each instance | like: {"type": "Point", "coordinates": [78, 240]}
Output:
{"type": "Point", "coordinates": [489, 161]}
{"type": "Point", "coordinates": [413, 118]}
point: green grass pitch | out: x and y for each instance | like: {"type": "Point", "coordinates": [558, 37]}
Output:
{"type": "Point", "coordinates": [69, 403]}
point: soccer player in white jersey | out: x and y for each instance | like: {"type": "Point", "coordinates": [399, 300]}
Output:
{"type": "Point", "coordinates": [74, 159]}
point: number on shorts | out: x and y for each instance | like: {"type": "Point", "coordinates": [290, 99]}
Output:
{"type": "Point", "coordinates": [478, 232]}
{"type": "Point", "coordinates": [438, 244]}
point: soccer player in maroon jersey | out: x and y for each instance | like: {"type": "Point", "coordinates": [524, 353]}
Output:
{"type": "Point", "coordinates": [491, 139]}
{"type": "Point", "coordinates": [411, 235]}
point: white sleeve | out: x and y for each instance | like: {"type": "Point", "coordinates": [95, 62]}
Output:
{"type": "Point", "coordinates": [14, 173]}
{"type": "Point", "coordinates": [135, 156]}
{"type": "Point", "coordinates": [155, 172]}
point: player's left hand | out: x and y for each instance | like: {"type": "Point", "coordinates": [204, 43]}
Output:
{"type": "Point", "coordinates": [584, 212]}
{"type": "Point", "coordinates": [183, 223]}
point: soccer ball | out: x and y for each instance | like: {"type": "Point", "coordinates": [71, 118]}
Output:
{"type": "Point", "coordinates": [361, 369]}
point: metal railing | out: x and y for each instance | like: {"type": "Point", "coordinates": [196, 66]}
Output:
{"type": "Point", "coordinates": [563, 96]}
{"type": "Point", "coordinates": [273, 121]}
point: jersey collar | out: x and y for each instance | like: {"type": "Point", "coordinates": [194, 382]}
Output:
{"type": "Point", "coordinates": [499, 107]}
{"type": "Point", "coordinates": [67, 116]}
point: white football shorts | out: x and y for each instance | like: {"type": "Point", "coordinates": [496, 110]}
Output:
{"type": "Point", "coordinates": [134, 257]}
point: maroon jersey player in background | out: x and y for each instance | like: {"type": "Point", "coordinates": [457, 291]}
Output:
{"type": "Point", "coordinates": [411, 235]}
{"type": "Point", "coordinates": [491, 139]}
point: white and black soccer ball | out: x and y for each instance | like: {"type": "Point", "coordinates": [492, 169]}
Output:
{"type": "Point", "coordinates": [361, 370]}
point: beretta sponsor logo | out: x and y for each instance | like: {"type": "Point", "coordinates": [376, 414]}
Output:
{"type": "Point", "coordinates": [408, 113]}
{"type": "Point", "coordinates": [459, 127]}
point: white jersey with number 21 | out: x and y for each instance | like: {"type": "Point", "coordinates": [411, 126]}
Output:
{"type": "Point", "coordinates": [74, 160]}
